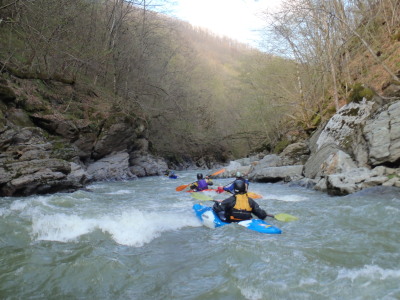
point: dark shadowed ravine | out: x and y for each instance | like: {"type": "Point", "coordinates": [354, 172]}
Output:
{"type": "Point", "coordinates": [140, 240]}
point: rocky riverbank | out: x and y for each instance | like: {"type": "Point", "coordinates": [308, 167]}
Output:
{"type": "Point", "coordinates": [50, 144]}
{"type": "Point", "coordinates": [358, 148]}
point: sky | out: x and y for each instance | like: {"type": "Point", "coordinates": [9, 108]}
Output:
{"type": "Point", "coordinates": [236, 19]}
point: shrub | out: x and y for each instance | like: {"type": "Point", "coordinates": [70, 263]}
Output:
{"type": "Point", "coordinates": [359, 92]}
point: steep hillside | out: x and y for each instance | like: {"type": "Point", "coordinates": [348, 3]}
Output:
{"type": "Point", "coordinates": [83, 99]}
{"type": "Point", "coordinates": [370, 69]}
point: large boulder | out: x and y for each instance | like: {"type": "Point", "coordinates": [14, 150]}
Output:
{"type": "Point", "coordinates": [353, 181]}
{"type": "Point", "coordinates": [270, 160]}
{"type": "Point", "coordinates": [275, 174]}
{"type": "Point", "coordinates": [295, 154]}
{"type": "Point", "coordinates": [243, 166]}
{"type": "Point", "coordinates": [32, 164]}
{"type": "Point", "coordinates": [359, 137]}
{"type": "Point", "coordinates": [147, 165]}
{"type": "Point", "coordinates": [328, 160]}
{"type": "Point", "coordinates": [112, 167]}
{"type": "Point", "coordinates": [117, 137]}
{"type": "Point", "coordinates": [382, 133]}
{"type": "Point", "coordinates": [370, 135]}
{"type": "Point", "coordinates": [357, 179]}
{"type": "Point", "coordinates": [346, 183]}
{"type": "Point", "coordinates": [341, 127]}
{"type": "Point", "coordinates": [40, 176]}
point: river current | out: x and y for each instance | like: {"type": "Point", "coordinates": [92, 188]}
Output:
{"type": "Point", "coordinates": [141, 240]}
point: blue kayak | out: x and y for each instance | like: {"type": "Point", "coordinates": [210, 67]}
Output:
{"type": "Point", "coordinates": [210, 219]}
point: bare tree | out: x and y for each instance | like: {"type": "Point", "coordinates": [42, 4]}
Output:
{"type": "Point", "coordinates": [320, 35]}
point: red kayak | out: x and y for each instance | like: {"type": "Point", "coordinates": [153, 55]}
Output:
{"type": "Point", "coordinates": [250, 194]}
{"type": "Point", "coordinates": [206, 190]}
{"type": "Point", "coordinates": [219, 190]}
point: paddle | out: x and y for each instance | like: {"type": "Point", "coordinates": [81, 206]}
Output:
{"type": "Point", "coordinates": [216, 173]}
{"type": "Point", "coordinates": [250, 194]}
{"type": "Point", "coordinates": [184, 186]}
{"type": "Point", "coordinates": [254, 195]}
{"type": "Point", "coordinates": [201, 196]}
{"type": "Point", "coordinates": [284, 217]}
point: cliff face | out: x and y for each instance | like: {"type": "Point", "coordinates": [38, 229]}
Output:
{"type": "Point", "coordinates": [358, 148]}
{"type": "Point", "coordinates": [52, 132]}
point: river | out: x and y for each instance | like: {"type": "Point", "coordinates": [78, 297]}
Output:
{"type": "Point", "coordinates": [140, 240]}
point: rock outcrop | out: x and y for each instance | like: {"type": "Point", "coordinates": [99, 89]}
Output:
{"type": "Point", "coordinates": [358, 148]}
{"type": "Point", "coordinates": [367, 149]}
{"type": "Point", "coordinates": [45, 150]}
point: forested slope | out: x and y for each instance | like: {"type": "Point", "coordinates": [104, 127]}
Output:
{"type": "Point", "coordinates": [200, 95]}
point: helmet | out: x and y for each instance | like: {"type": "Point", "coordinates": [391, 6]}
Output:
{"type": "Point", "coordinates": [239, 186]}
{"type": "Point", "coordinates": [238, 174]}
{"type": "Point", "coordinates": [199, 176]}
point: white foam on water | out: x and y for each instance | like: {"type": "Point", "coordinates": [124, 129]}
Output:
{"type": "Point", "coordinates": [121, 192]}
{"type": "Point", "coordinates": [97, 185]}
{"type": "Point", "coordinates": [60, 227]}
{"type": "Point", "coordinates": [286, 198]}
{"type": "Point", "coordinates": [136, 228]}
{"type": "Point", "coordinates": [132, 227]}
{"type": "Point", "coordinates": [308, 281]}
{"type": "Point", "coordinates": [19, 205]}
{"type": "Point", "coordinates": [4, 212]}
{"type": "Point", "coordinates": [251, 293]}
{"type": "Point", "coordinates": [392, 209]}
{"type": "Point", "coordinates": [370, 272]}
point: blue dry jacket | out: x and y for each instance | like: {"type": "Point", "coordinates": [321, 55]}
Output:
{"type": "Point", "coordinates": [230, 187]}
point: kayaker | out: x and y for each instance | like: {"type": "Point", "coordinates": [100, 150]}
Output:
{"type": "Point", "coordinates": [239, 207]}
{"type": "Point", "coordinates": [229, 188]}
{"type": "Point", "coordinates": [201, 183]}
{"type": "Point", "coordinates": [170, 174]}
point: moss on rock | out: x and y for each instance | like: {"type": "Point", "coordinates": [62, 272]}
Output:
{"type": "Point", "coordinates": [358, 92]}
{"type": "Point", "coordinates": [281, 145]}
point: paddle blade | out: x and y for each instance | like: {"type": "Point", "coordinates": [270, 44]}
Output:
{"type": "Point", "coordinates": [181, 187]}
{"type": "Point", "coordinates": [254, 195]}
{"type": "Point", "coordinates": [218, 172]}
{"type": "Point", "coordinates": [285, 217]}
{"type": "Point", "coordinates": [202, 197]}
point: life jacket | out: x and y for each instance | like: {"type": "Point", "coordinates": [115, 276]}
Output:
{"type": "Point", "coordinates": [201, 185]}
{"type": "Point", "coordinates": [242, 209]}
